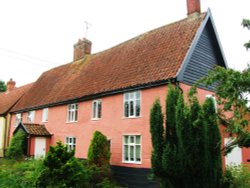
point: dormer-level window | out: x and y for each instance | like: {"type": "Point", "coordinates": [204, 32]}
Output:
{"type": "Point", "coordinates": [96, 109]}
{"type": "Point", "coordinates": [18, 119]}
{"type": "Point", "coordinates": [45, 115]}
{"type": "Point", "coordinates": [72, 112]}
{"type": "Point", "coordinates": [132, 104]}
{"type": "Point", "coordinates": [31, 116]}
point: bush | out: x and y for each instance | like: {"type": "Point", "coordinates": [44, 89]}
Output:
{"type": "Point", "coordinates": [98, 166]}
{"type": "Point", "coordinates": [17, 146]}
{"type": "Point", "coordinates": [62, 169]}
{"type": "Point", "coordinates": [99, 153]}
{"type": "Point", "coordinates": [236, 177]}
{"type": "Point", "coordinates": [19, 174]}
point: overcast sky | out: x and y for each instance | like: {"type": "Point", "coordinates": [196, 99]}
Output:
{"type": "Point", "coordinates": [37, 35]}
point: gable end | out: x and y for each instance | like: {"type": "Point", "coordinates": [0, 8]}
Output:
{"type": "Point", "coordinates": [203, 56]}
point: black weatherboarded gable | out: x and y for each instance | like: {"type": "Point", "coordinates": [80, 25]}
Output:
{"type": "Point", "coordinates": [204, 54]}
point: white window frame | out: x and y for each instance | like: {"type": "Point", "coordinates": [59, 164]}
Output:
{"type": "Point", "coordinates": [45, 115]}
{"type": "Point", "coordinates": [18, 119]}
{"type": "Point", "coordinates": [128, 98]}
{"type": "Point", "coordinates": [214, 99]}
{"type": "Point", "coordinates": [30, 116]}
{"type": "Point", "coordinates": [131, 145]}
{"type": "Point", "coordinates": [72, 113]}
{"type": "Point", "coordinates": [70, 145]}
{"type": "Point", "coordinates": [96, 109]}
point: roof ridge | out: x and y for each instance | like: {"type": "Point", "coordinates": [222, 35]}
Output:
{"type": "Point", "coordinates": [148, 32]}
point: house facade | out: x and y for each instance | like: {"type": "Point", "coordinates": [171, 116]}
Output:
{"type": "Point", "coordinates": [112, 91]}
{"type": "Point", "coordinates": [7, 100]}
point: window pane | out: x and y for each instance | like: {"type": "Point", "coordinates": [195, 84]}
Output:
{"type": "Point", "coordinates": [126, 153]}
{"type": "Point", "coordinates": [126, 96]}
{"type": "Point", "coordinates": [138, 108]}
{"type": "Point", "coordinates": [126, 139]}
{"type": "Point", "coordinates": [132, 139]}
{"type": "Point", "coordinates": [138, 139]}
{"type": "Point", "coordinates": [131, 95]}
{"type": "Point", "coordinates": [138, 153]}
{"type": "Point", "coordinates": [126, 107]}
{"type": "Point", "coordinates": [137, 95]}
{"type": "Point", "coordinates": [132, 153]}
{"type": "Point", "coordinates": [131, 105]}
{"type": "Point", "coordinates": [99, 109]}
{"type": "Point", "coordinates": [76, 115]}
{"type": "Point", "coordinates": [94, 109]}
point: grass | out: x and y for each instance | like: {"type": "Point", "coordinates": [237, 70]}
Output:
{"type": "Point", "coordinates": [19, 174]}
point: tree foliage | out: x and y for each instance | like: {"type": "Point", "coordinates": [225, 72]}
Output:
{"type": "Point", "coordinates": [62, 169]}
{"type": "Point", "coordinates": [2, 86]}
{"type": "Point", "coordinates": [214, 161]}
{"type": "Point", "coordinates": [98, 165]}
{"type": "Point", "coordinates": [16, 149]}
{"type": "Point", "coordinates": [99, 153]}
{"type": "Point", "coordinates": [232, 89]}
{"type": "Point", "coordinates": [246, 23]}
{"type": "Point", "coordinates": [157, 132]}
{"type": "Point", "coordinates": [191, 147]}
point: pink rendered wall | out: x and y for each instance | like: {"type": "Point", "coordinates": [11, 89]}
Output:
{"type": "Point", "coordinates": [112, 124]}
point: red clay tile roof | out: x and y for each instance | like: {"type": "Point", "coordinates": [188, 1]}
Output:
{"type": "Point", "coordinates": [151, 57]}
{"type": "Point", "coordinates": [9, 99]}
{"type": "Point", "coordinates": [36, 129]}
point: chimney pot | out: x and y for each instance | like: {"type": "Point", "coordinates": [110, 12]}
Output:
{"type": "Point", "coordinates": [10, 85]}
{"type": "Point", "coordinates": [193, 6]}
{"type": "Point", "coordinates": [82, 48]}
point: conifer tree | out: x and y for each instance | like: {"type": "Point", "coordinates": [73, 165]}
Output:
{"type": "Point", "coordinates": [214, 144]}
{"type": "Point", "coordinates": [171, 102]}
{"type": "Point", "coordinates": [198, 152]}
{"type": "Point", "coordinates": [157, 131]}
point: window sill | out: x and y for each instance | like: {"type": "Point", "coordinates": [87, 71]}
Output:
{"type": "Point", "coordinates": [69, 122]}
{"type": "Point", "coordinates": [44, 121]}
{"type": "Point", "coordinates": [132, 117]}
{"type": "Point", "coordinates": [95, 119]}
{"type": "Point", "coordinates": [130, 162]}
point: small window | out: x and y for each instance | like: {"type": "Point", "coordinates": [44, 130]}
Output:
{"type": "Point", "coordinates": [18, 119]}
{"type": "Point", "coordinates": [132, 104]}
{"type": "Point", "coordinates": [214, 100]}
{"type": "Point", "coordinates": [132, 149]}
{"type": "Point", "coordinates": [71, 143]}
{"type": "Point", "coordinates": [45, 114]}
{"type": "Point", "coordinates": [96, 109]}
{"type": "Point", "coordinates": [72, 112]}
{"type": "Point", "coordinates": [31, 116]}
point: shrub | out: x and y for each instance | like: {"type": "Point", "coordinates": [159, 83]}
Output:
{"type": "Point", "coordinates": [19, 174]}
{"type": "Point", "coordinates": [17, 146]}
{"type": "Point", "coordinates": [236, 177]}
{"type": "Point", "coordinates": [62, 169]}
{"type": "Point", "coordinates": [98, 166]}
{"type": "Point", "coordinates": [99, 153]}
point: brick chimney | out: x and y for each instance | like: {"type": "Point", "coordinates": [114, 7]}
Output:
{"type": "Point", "coordinates": [82, 48]}
{"type": "Point", "coordinates": [193, 7]}
{"type": "Point", "coordinates": [10, 85]}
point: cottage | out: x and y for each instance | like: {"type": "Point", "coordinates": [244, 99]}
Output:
{"type": "Point", "coordinates": [112, 91]}
{"type": "Point", "coordinates": [7, 100]}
